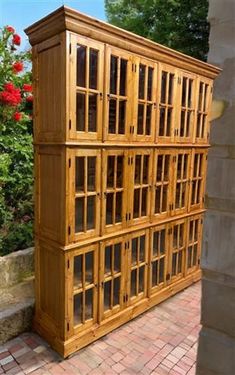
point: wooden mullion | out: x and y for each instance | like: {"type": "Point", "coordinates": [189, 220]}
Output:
{"type": "Point", "coordinates": [83, 287]}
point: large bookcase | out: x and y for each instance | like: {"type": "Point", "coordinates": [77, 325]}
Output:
{"type": "Point", "coordinates": [121, 132]}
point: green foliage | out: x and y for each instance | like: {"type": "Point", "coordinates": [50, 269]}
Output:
{"type": "Point", "coordinates": [16, 151]}
{"type": "Point", "coordinates": [178, 24]}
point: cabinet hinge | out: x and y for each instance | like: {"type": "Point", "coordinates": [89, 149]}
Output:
{"type": "Point", "coordinates": [70, 48]}
{"type": "Point", "coordinates": [69, 230]}
{"type": "Point", "coordinates": [168, 276]}
{"type": "Point", "coordinates": [69, 162]}
{"type": "Point", "coordinates": [69, 124]}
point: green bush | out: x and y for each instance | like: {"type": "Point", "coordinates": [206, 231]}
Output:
{"type": "Point", "coordinates": [16, 151]}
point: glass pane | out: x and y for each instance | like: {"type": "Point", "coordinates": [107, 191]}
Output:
{"type": "Point", "coordinates": [198, 125]}
{"type": "Point", "coordinates": [162, 122]}
{"type": "Point", "coordinates": [116, 291]}
{"type": "Point", "coordinates": [110, 171]}
{"type": "Point", "coordinates": [93, 68]}
{"type": "Point", "coordinates": [123, 77]}
{"type": "Point", "coordinates": [79, 173]}
{"type": "Point", "coordinates": [91, 173]}
{"type": "Point", "coordinates": [179, 166]}
{"type": "Point", "coordinates": [191, 231]}
{"type": "Point", "coordinates": [200, 96]}
{"type": "Point", "coordinates": [137, 168]}
{"type": "Point", "coordinates": [133, 282]}
{"type": "Point", "coordinates": [188, 122]}
{"type": "Point", "coordinates": [174, 259]}
{"type": "Point", "coordinates": [175, 237]}
{"type": "Point", "coordinates": [107, 295]}
{"type": "Point", "coordinates": [157, 199]}
{"type": "Point", "coordinates": [89, 267]}
{"type": "Point", "coordinates": [109, 208]}
{"type": "Point", "coordinates": [162, 242]}
{"type": "Point", "coordinates": [196, 230]}
{"type": "Point", "coordinates": [180, 262]}
{"type": "Point", "coordinates": [108, 259]}
{"type": "Point", "coordinates": [166, 167]}
{"type": "Point", "coordinates": [161, 271]}
{"type": "Point", "coordinates": [80, 112]}
{"type": "Point", "coordinates": [89, 304]}
{"type": "Point", "coordinates": [154, 273]}
{"type": "Point", "coordinates": [141, 279]}
{"type": "Point", "coordinates": [112, 116]}
{"type": "Point", "coordinates": [77, 309]}
{"type": "Point", "coordinates": [142, 72]}
{"type": "Point", "coordinates": [148, 119]}
{"type": "Point", "coordinates": [134, 251]}
{"type": "Point", "coordinates": [159, 167]}
{"type": "Point", "coordinates": [182, 120]}
{"type": "Point", "coordinates": [145, 169]}
{"type": "Point", "coordinates": [193, 198]}
{"type": "Point", "coordinates": [79, 214]}
{"type": "Point", "coordinates": [198, 191]}
{"type": "Point", "coordinates": [195, 255]}
{"type": "Point", "coordinates": [185, 166]}
{"type": "Point", "coordinates": [190, 93]}
{"type": "Point", "coordinates": [164, 198]}
{"type": "Point", "coordinates": [190, 250]}
{"type": "Point", "coordinates": [118, 216]}
{"type": "Point", "coordinates": [119, 181]}
{"type": "Point", "coordinates": [169, 120]}
{"type": "Point", "coordinates": [142, 249]}
{"type": "Point", "coordinates": [150, 82]}
{"type": "Point", "coordinates": [184, 92]}
{"type": "Point", "coordinates": [81, 66]}
{"type": "Point", "coordinates": [181, 235]}
{"type": "Point", "coordinates": [91, 212]}
{"type": "Point", "coordinates": [136, 203]}
{"type": "Point", "coordinates": [113, 74]}
{"type": "Point", "coordinates": [171, 84]}
{"type": "Point", "coordinates": [144, 202]}
{"type": "Point", "coordinates": [122, 117]}
{"type": "Point", "coordinates": [205, 98]}
{"type": "Point", "coordinates": [163, 87]}
{"type": "Point", "coordinates": [92, 113]}
{"type": "Point", "coordinates": [155, 243]}
{"type": "Point", "coordinates": [140, 126]}
{"type": "Point", "coordinates": [117, 257]}
{"type": "Point", "coordinates": [77, 277]}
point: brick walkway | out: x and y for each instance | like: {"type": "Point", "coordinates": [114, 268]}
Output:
{"type": "Point", "coordinates": [161, 341]}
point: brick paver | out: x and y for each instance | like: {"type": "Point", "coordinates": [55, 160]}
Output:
{"type": "Point", "coordinates": [161, 341]}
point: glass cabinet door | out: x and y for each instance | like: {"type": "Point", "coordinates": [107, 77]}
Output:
{"type": "Point", "coordinates": [204, 97]}
{"type": "Point", "coordinates": [115, 187]}
{"type": "Point", "coordinates": [167, 91]}
{"type": "Point", "coordinates": [186, 120]}
{"type": "Point", "coordinates": [162, 179]}
{"type": "Point", "coordinates": [144, 103]}
{"type": "Point", "coordinates": [85, 185]}
{"type": "Point", "coordinates": [85, 287]}
{"type": "Point", "coordinates": [180, 193]}
{"type": "Point", "coordinates": [198, 179]}
{"type": "Point", "coordinates": [117, 110]}
{"type": "Point", "coordinates": [158, 257]}
{"type": "Point", "coordinates": [137, 266]}
{"type": "Point", "coordinates": [177, 242]}
{"type": "Point", "coordinates": [193, 248]}
{"type": "Point", "coordinates": [112, 276]}
{"type": "Point", "coordinates": [86, 89]}
{"type": "Point", "coordinates": [140, 183]}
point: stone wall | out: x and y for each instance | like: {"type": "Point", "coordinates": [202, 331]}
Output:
{"type": "Point", "coordinates": [216, 353]}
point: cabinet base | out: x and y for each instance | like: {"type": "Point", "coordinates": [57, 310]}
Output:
{"type": "Point", "coordinates": [76, 342]}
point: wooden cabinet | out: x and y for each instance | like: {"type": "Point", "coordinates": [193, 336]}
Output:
{"type": "Point", "coordinates": [121, 131]}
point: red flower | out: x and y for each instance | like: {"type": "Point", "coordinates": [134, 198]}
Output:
{"type": "Point", "coordinates": [10, 29]}
{"type": "Point", "coordinates": [29, 99]}
{"type": "Point", "coordinates": [17, 116]}
{"type": "Point", "coordinates": [16, 39]}
{"type": "Point", "coordinates": [17, 67]}
{"type": "Point", "coordinates": [27, 87]}
{"type": "Point", "coordinates": [11, 95]}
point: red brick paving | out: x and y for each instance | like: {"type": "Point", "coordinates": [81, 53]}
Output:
{"type": "Point", "coordinates": [161, 341]}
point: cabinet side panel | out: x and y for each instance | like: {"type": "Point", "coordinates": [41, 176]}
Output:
{"type": "Point", "coordinates": [49, 88]}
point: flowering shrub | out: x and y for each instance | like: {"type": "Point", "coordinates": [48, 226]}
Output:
{"type": "Point", "coordinates": [16, 152]}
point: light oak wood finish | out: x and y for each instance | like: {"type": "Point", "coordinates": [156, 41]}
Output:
{"type": "Point", "coordinates": [121, 135]}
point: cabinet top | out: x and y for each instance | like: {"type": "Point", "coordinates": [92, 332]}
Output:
{"type": "Point", "coordinates": [65, 18]}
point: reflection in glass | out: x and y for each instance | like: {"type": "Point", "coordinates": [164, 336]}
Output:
{"type": "Point", "coordinates": [145, 169]}
{"type": "Point", "coordinates": [118, 216]}
{"type": "Point", "coordinates": [134, 251]}
{"type": "Point", "coordinates": [77, 278]}
{"type": "Point", "coordinates": [80, 112]}
{"type": "Point", "coordinates": [107, 295]}
{"type": "Point", "coordinates": [162, 122]}
{"type": "Point", "coordinates": [137, 169]}
{"type": "Point", "coordinates": [190, 250]}
{"type": "Point", "coordinates": [142, 249]}
{"type": "Point", "coordinates": [108, 259]}
{"type": "Point", "coordinates": [150, 83]}
{"type": "Point", "coordinates": [140, 125]}
{"type": "Point", "coordinates": [169, 119]}
{"type": "Point", "coordinates": [171, 83]}
{"type": "Point", "coordinates": [110, 171]}
{"type": "Point", "coordinates": [144, 202]}
{"type": "Point", "coordinates": [89, 304]}
{"type": "Point", "coordinates": [112, 116]}
{"type": "Point", "coordinates": [77, 309]}
{"type": "Point", "coordinates": [161, 271]}
{"type": "Point", "coordinates": [113, 74]}
{"type": "Point", "coordinates": [122, 117]}
{"type": "Point", "coordinates": [116, 291]}
{"type": "Point", "coordinates": [174, 260]}
{"type": "Point", "coordinates": [157, 199]}
{"type": "Point", "coordinates": [163, 87]}
{"type": "Point", "coordinates": [141, 279]}
{"type": "Point", "coordinates": [183, 101]}
{"type": "Point", "coordinates": [142, 72]}
{"type": "Point", "coordinates": [93, 64]}
{"type": "Point", "coordinates": [79, 212]}
{"type": "Point", "coordinates": [180, 261]}
{"type": "Point", "coordinates": [182, 121]}
{"type": "Point", "coordinates": [190, 93]}
{"type": "Point", "coordinates": [91, 160]}
{"type": "Point", "coordinates": [195, 255]}
{"type": "Point", "coordinates": [136, 203]}
{"type": "Point", "coordinates": [109, 208]}
{"type": "Point", "coordinates": [92, 113]}
{"type": "Point", "coordinates": [133, 282]}
{"type": "Point", "coordinates": [162, 241]}
{"type": "Point", "coordinates": [148, 119]}
{"type": "Point", "coordinates": [90, 212]}
{"type": "Point", "coordinates": [123, 71]}
{"type": "Point", "coordinates": [79, 173]}
{"type": "Point", "coordinates": [89, 267]}
{"type": "Point", "coordinates": [117, 257]}
{"type": "Point", "coordinates": [154, 273]}
{"type": "Point", "coordinates": [155, 243]}
{"type": "Point", "coordinates": [81, 66]}
{"type": "Point", "coordinates": [119, 181]}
